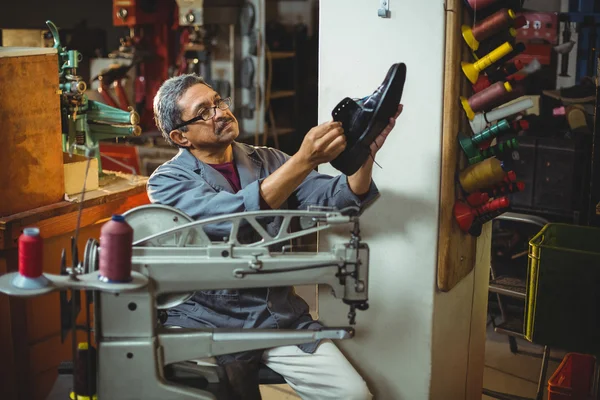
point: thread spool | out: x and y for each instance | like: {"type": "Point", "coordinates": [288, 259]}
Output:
{"type": "Point", "coordinates": [507, 188]}
{"type": "Point", "coordinates": [472, 70]}
{"type": "Point", "coordinates": [478, 5]}
{"type": "Point", "coordinates": [85, 374]}
{"type": "Point", "coordinates": [482, 30]}
{"type": "Point", "coordinates": [502, 73]}
{"type": "Point", "coordinates": [465, 215]}
{"type": "Point", "coordinates": [486, 99]}
{"type": "Point", "coordinates": [498, 149]}
{"type": "Point", "coordinates": [481, 120]}
{"type": "Point", "coordinates": [517, 49]}
{"type": "Point", "coordinates": [476, 226]}
{"type": "Point", "coordinates": [116, 240]}
{"type": "Point", "coordinates": [506, 71]}
{"type": "Point", "coordinates": [482, 175]}
{"type": "Point", "coordinates": [31, 253]}
{"type": "Point", "coordinates": [469, 144]}
{"type": "Point", "coordinates": [477, 199]}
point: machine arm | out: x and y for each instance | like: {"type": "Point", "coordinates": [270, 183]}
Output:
{"type": "Point", "coordinates": [185, 344]}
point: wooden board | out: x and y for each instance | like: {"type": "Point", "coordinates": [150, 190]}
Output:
{"type": "Point", "coordinates": [456, 250]}
{"type": "Point", "coordinates": [117, 191]}
{"type": "Point", "coordinates": [31, 166]}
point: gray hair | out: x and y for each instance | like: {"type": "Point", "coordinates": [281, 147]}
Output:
{"type": "Point", "coordinates": [167, 113]}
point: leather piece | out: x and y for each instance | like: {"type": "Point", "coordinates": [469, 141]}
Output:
{"type": "Point", "coordinates": [365, 119]}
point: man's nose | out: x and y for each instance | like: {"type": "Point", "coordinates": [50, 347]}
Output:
{"type": "Point", "coordinates": [220, 113]}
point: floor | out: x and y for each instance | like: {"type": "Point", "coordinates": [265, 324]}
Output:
{"type": "Point", "coordinates": [278, 392]}
{"type": "Point", "coordinates": [504, 372]}
{"type": "Point", "coordinates": [516, 374]}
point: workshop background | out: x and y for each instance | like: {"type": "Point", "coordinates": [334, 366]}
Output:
{"type": "Point", "coordinates": [486, 310]}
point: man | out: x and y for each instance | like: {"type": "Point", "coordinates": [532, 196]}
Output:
{"type": "Point", "coordinates": [213, 175]}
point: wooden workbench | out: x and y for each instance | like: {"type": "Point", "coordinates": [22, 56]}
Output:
{"type": "Point", "coordinates": [30, 342]}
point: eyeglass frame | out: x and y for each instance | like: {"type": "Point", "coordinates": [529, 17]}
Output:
{"type": "Point", "coordinates": [226, 100]}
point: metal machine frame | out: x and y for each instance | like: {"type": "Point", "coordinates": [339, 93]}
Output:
{"type": "Point", "coordinates": [169, 265]}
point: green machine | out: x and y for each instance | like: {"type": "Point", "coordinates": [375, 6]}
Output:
{"type": "Point", "coordinates": [85, 122]}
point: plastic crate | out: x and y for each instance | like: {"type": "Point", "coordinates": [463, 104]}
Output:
{"type": "Point", "coordinates": [573, 379]}
{"type": "Point", "coordinates": [563, 288]}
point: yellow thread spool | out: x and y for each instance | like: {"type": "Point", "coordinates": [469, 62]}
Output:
{"type": "Point", "coordinates": [481, 175]}
{"type": "Point", "coordinates": [472, 70]}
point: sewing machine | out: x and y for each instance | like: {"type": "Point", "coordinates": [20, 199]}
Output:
{"type": "Point", "coordinates": [172, 257]}
{"type": "Point", "coordinates": [85, 122]}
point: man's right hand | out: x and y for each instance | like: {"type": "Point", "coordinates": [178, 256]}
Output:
{"type": "Point", "coordinates": [322, 144]}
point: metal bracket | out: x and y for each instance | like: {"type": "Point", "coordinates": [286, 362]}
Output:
{"type": "Point", "coordinates": [384, 9]}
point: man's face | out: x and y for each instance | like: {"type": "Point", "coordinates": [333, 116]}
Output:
{"type": "Point", "coordinates": [219, 131]}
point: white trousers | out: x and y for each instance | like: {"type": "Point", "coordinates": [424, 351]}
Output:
{"type": "Point", "coordinates": [323, 375]}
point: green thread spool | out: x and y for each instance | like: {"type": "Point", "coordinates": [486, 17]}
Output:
{"type": "Point", "coordinates": [470, 145]}
{"type": "Point", "coordinates": [500, 148]}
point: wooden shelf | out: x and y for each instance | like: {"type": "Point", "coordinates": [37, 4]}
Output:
{"type": "Point", "coordinates": [118, 192]}
{"type": "Point", "coordinates": [281, 94]}
{"type": "Point", "coordinates": [279, 55]}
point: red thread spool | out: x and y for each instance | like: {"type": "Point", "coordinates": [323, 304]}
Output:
{"type": "Point", "coordinates": [510, 177]}
{"type": "Point", "coordinates": [483, 82]}
{"type": "Point", "coordinates": [31, 252]}
{"type": "Point", "coordinates": [465, 215]}
{"type": "Point", "coordinates": [487, 99]}
{"type": "Point", "coordinates": [476, 199]}
{"type": "Point", "coordinates": [507, 188]}
{"type": "Point", "coordinates": [478, 5]}
{"type": "Point", "coordinates": [116, 240]}
{"type": "Point", "coordinates": [505, 72]}
{"type": "Point", "coordinates": [496, 22]}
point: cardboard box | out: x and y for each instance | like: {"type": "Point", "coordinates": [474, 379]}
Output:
{"type": "Point", "coordinates": [75, 167]}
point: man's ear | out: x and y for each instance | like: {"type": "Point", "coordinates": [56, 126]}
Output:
{"type": "Point", "coordinates": [179, 139]}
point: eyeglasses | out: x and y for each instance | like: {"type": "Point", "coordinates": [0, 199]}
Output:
{"type": "Point", "coordinates": [208, 113]}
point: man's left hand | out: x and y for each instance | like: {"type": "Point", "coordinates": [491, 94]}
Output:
{"type": "Point", "coordinates": [380, 140]}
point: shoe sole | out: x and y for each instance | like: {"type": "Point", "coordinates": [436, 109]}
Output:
{"type": "Point", "coordinates": [350, 160]}
{"type": "Point", "coordinates": [567, 100]}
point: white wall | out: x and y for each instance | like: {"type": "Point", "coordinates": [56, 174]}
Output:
{"type": "Point", "coordinates": [409, 324]}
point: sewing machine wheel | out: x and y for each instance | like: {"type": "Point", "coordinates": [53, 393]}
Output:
{"type": "Point", "coordinates": [90, 256]}
{"type": "Point", "coordinates": [151, 219]}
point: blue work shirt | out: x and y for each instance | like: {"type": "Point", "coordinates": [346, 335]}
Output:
{"type": "Point", "coordinates": [200, 191]}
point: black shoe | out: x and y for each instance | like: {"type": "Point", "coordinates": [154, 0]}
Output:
{"type": "Point", "coordinates": [363, 120]}
{"type": "Point", "coordinates": [585, 92]}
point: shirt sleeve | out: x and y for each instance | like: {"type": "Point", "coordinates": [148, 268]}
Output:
{"type": "Point", "coordinates": [196, 197]}
{"type": "Point", "coordinates": [324, 190]}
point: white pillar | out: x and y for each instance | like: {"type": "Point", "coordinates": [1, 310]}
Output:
{"type": "Point", "coordinates": [414, 342]}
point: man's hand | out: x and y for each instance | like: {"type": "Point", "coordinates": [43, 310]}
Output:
{"type": "Point", "coordinates": [322, 144]}
{"type": "Point", "coordinates": [380, 140]}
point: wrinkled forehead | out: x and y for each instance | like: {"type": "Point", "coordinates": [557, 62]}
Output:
{"type": "Point", "coordinates": [196, 98]}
